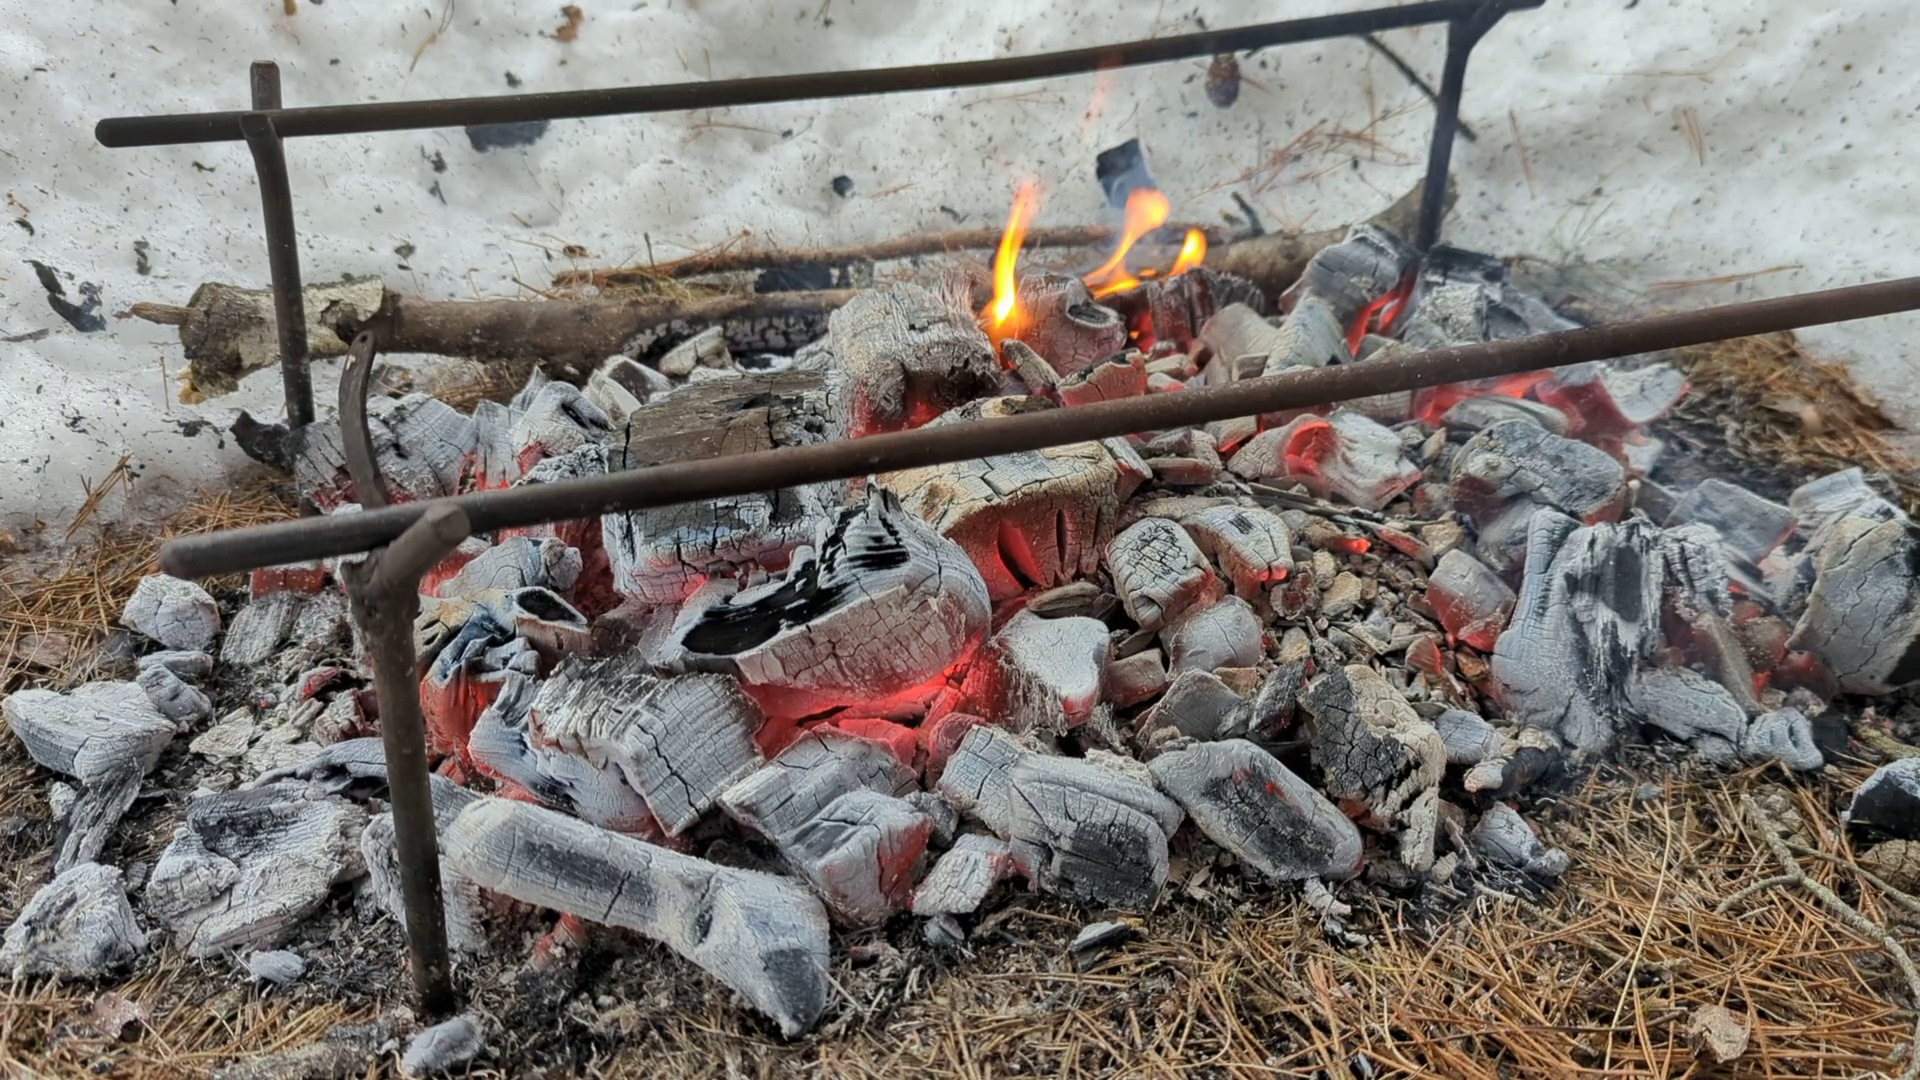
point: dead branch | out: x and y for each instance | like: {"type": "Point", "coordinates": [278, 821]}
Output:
{"type": "Point", "coordinates": [904, 247]}
{"type": "Point", "coordinates": [1275, 260]}
{"type": "Point", "coordinates": [226, 332]}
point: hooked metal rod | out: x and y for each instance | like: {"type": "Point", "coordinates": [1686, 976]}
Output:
{"type": "Point", "coordinates": [766, 470]}
{"type": "Point", "coordinates": [178, 128]}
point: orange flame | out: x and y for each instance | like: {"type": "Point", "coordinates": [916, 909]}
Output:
{"type": "Point", "coordinates": [1147, 210]}
{"type": "Point", "coordinates": [1192, 253]}
{"type": "Point", "coordinates": [1004, 313]}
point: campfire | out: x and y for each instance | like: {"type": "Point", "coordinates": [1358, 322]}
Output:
{"type": "Point", "coordinates": [1331, 642]}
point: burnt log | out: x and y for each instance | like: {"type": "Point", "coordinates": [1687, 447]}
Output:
{"type": "Point", "coordinates": [1369, 744]}
{"type": "Point", "coordinates": [678, 742]}
{"type": "Point", "coordinates": [1688, 706]}
{"type": "Point", "coordinates": [1206, 637]}
{"type": "Point", "coordinates": [1059, 319]}
{"type": "Point", "coordinates": [1343, 454]}
{"type": "Point", "coordinates": [1033, 519]}
{"type": "Point", "coordinates": [248, 866]}
{"type": "Point", "coordinates": [504, 745]}
{"type": "Point", "coordinates": [1784, 735]}
{"type": "Point", "coordinates": [1749, 526]}
{"type": "Point", "coordinates": [1275, 261]}
{"type": "Point", "coordinates": [831, 803]}
{"type": "Point", "coordinates": [1503, 836]}
{"type": "Point", "coordinates": [1197, 705]}
{"type": "Point", "coordinates": [79, 925]}
{"type": "Point", "coordinates": [227, 332]}
{"type": "Point", "coordinates": [105, 735]}
{"type": "Point", "coordinates": [1246, 801]}
{"type": "Point", "coordinates": [1040, 675]}
{"type": "Point", "coordinates": [873, 616]}
{"type": "Point", "coordinates": [1862, 614]}
{"type": "Point", "coordinates": [964, 876]}
{"type": "Point", "coordinates": [977, 780]}
{"type": "Point", "coordinates": [1601, 399]}
{"type": "Point", "coordinates": [1517, 460]}
{"type": "Point", "coordinates": [1120, 375]}
{"type": "Point", "coordinates": [903, 355]}
{"type": "Point", "coordinates": [763, 936]}
{"type": "Point", "coordinates": [1369, 263]}
{"type": "Point", "coordinates": [1251, 545]}
{"type": "Point", "coordinates": [177, 614]}
{"type": "Point", "coordinates": [1088, 831]}
{"type": "Point", "coordinates": [1157, 570]}
{"type": "Point", "coordinates": [1473, 604]}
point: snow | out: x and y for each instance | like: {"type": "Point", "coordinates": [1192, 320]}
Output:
{"type": "Point", "coordinates": [1800, 108]}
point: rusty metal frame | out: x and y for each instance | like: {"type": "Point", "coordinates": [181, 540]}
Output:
{"type": "Point", "coordinates": [403, 542]}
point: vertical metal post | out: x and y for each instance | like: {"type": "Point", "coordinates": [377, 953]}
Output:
{"type": "Point", "coordinates": [384, 593]}
{"type": "Point", "coordinates": [1462, 36]}
{"type": "Point", "coordinates": [283, 251]}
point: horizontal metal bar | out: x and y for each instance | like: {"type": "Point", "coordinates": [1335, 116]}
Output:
{"type": "Point", "coordinates": [665, 485]}
{"type": "Point", "coordinates": [675, 97]}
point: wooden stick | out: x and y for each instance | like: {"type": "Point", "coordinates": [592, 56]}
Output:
{"type": "Point", "coordinates": [903, 247]}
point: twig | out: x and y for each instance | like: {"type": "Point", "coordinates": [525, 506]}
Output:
{"type": "Point", "coordinates": [95, 495]}
{"type": "Point", "coordinates": [1646, 930]}
{"type": "Point", "coordinates": [1520, 148]}
{"type": "Point", "coordinates": [1892, 891]}
{"type": "Point", "coordinates": [1413, 77]}
{"type": "Point", "coordinates": [1845, 912]}
{"type": "Point", "coordinates": [1748, 890]}
{"type": "Point", "coordinates": [905, 247]}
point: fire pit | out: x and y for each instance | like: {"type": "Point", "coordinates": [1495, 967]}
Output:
{"type": "Point", "coordinates": [740, 643]}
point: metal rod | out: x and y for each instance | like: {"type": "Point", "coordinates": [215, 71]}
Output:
{"type": "Point", "coordinates": [574, 104]}
{"type": "Point", "coordinates": [283, 249]}
{"type": "Point", "coordinates": [356, 440]}
{"type": "Point", "coordinates": [384, 593]}
{"type": "Point", "coordinates": [1462, 35]}
{"type": "Point", "coordinates": [294, 541]}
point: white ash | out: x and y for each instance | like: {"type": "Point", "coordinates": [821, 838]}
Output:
{"type": "Point", "coordinates": [189, 664]}
{"type": "Point", "coordinates": [78, 925]}
{"type": "Point", "coordinates": [280, 967]}
{"type": "Point", "coordinates": [177, 614]}
{"type": "Point", "coordinates": [170, 694]}
{"type": "Point", "coordinates": [1786, 736]}
{"type": "Point", "coordinates": [445, 1046]}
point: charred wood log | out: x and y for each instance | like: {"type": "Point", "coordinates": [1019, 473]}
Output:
{"type": "Point", "coordinates": [79, 925]}
{"type": "Point", "coordinates": [882, 608]}
{"type": "Point", "coordinates": [1863, 613]}
{"type": "Point", "coordinates": [1207, 637]}
{"type": "Point", "coordinates": [964, 876]}
{"type": "Point", "coordinates": [227, 332]}
{"type": "Point", "coordinates": [1368, 264]}
{"type": "Point", "coordinates": [177, 614]}
{"type": "Point", "coordinates": [248, 866]}
{"type": "Point", "coordinates": [1251, 545]}
{"type": "Point", "coordinates": [761, 935]}
{"type": "Point", "coordinates": [1158, 571]}
{"type": "Point", "coordinates": [1032, 519]}
{"type": "Point", "coordinates": [503, 744]}
{"type": "Point", "coordinates": [1344, 454]}
{"type": "Point", "coordinates": [903, 355]}
{"type": "Point", "coordinates": [1040, 675]}
{"type": "Point", "coordinates": [1088, 831]}
{"type": "Point", "coordinates": [1275, 261]}
{"type": "Point", "coordinates": [778, 799]}
{"type": "Point", "coordinates": [1246, 801]}
{"type": "Point", "coordinates": [1369, 743]}
{"type": "Point", "coordinates": [1517, 460]}
{"type": "Point", "coordinates": [1119, 375]}
{"type": "Point", "coordinates": [105, 735]}
{"type": "Point", "coordinates": [1060, 320]}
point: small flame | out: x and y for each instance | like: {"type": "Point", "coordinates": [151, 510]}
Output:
{"type": "Point", "coordinates": [1192, 253]}
{"type": "Point", "coordinates": [1147, 210]}
{"type": "Point", "coordinates": [1004, 312]}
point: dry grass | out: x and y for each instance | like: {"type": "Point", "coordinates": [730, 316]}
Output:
{"type": "Point", "coordinates": [57, 606]}
{"type": "Point", "coordinates": [1771, 404]}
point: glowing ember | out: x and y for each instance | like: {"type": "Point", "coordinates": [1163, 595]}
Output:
{"type": "Point", "coordinates": [1003, 315]}
{"type": "Point", "coordinates": [1386, 306]}
{"type": "Point", "coordinates": [1147, 210]}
